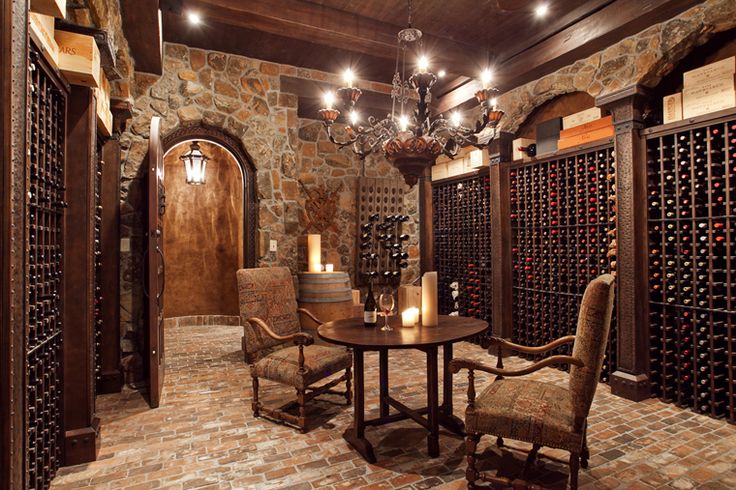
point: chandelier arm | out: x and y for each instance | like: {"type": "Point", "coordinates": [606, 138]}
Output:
{"type": "Point", "coordinates": [336, 142]}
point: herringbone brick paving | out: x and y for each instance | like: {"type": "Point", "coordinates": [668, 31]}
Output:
{"type": "Point", "coordinates": [204, 434]}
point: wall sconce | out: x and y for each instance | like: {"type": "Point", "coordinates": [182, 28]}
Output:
{"type": "Point", "coordinates": [195, 163]}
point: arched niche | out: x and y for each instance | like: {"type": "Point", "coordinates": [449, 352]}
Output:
{"type": "Point", "coordinates": [561, 106]}
{"type": "Point", "coordinates": [718, 47]}
{"type": "Point", "coordinates": [214, 135]}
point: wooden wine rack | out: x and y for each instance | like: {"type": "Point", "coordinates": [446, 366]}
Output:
{"type": "Point", "coordinates": [45, 271]}
{"type": "Point", "coordinates": [692, 265]}
{"type": "Point", "coordinates": [462, 246]}
{"type": "Point", "coordinates": [562, 228]}
{"type": "Point", "coordinates": [384, 197]}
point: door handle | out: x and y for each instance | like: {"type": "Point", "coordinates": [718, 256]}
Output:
{"type": "Point", "coordinates": [160, 293]}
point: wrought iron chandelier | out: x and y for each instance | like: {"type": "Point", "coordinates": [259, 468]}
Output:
{"type": "Point", "coordinates": [411, 142]}
{"type": "Point", "coordinates": [195, 163]}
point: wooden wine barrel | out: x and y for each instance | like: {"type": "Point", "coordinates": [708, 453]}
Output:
{"type": "Point", "coordinates": [326, 294]}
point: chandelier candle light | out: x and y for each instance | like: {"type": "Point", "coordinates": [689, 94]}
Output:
{"type": "Point", "coordinates": [411, 142]}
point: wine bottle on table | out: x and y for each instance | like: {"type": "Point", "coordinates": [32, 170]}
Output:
{"type": "Point", "coordinates": [370, 310]}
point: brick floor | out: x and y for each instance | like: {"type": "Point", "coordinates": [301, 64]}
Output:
{"type": "Point", "coordinates": [204, 436]}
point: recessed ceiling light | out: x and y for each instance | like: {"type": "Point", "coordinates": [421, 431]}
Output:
{"type": "Point", "coordinates": [541, 10]}
{"type": "Point", "coordinates": [194, 18]}
{"type": "Point", "coordinates": [441, 73]}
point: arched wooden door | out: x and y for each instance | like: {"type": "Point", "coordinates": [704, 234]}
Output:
{"type": "Point", "coordinates": [155, 265]}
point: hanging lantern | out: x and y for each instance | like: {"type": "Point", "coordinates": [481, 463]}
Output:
{"type": "Point", "coordinates": [195, 163]}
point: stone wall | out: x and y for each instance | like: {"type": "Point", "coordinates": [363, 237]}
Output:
{"type": "Point", "coordinates": [241, 96]}
{"type": "Point", "coordinates": [644, 58]}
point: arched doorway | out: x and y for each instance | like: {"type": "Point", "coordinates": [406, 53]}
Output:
{"type": "Point", "coordinates": [209, 230]}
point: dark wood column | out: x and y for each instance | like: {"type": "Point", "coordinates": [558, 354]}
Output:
{"type": "Point", "coordinates": [111, 380]}
{"type": "Point", "coordinates": [13, 188]}
{"type": "Point", "coordinates": [80, 423]}
{"type": "Point", "coordinates": [500, 155]}
{"type": "Point", "coordinates": [631, 380]}
{"type": "Point", "coordinates": [426, 232]}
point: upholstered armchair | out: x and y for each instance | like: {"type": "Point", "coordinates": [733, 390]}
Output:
{"type": "Point", "coordinates": [271, 319]}
{"type": "Point", "coordinates": [541, 413]}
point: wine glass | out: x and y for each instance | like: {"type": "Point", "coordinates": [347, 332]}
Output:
{"type": "Point", "coordinates": [386, 303]}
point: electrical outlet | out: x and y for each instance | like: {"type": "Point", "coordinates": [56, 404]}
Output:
{"type": "Point", "coordinates": [273, 246]}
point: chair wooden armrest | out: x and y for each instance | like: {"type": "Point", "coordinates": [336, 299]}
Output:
{"type": "Point", "coordinates": [309, 314]}
{"type": "Point", "coordinates": [502, 343]}
{"type": "Point", "coordinates": [457, 364]}
{"type": "Point", "coordinates": [299, 338]}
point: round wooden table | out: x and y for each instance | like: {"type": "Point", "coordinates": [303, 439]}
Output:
{"type": "Point", "coordinates": [351, 333]}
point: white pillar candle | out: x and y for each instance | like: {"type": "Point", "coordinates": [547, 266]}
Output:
{"type": "Point", "coordinates": [314, 252]}
{"type": "Point", "coordinates": [429, 299]}
{"type": "Point", "coordinates": [329, 268]}
{"type": "Point", "coordinates": [409, 317]}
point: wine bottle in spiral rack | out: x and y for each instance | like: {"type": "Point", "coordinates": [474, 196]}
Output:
{"type": "Point", "coordinates": [370, 310]}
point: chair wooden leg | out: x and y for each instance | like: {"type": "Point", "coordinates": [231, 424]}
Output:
{"type": "Point", "coordinates": [499, 442]}
{"type": "Point", "coordinates": [531, 458]}
{"type": "Point", "coordinates": [471, 473]}
{"type": "Point", "coordinates": [302, 423]}
{"type": "Point", "coordinates": [348, 386]}
{"type": "Point", "coordinates": [574, 467]}
{"type": "Point", "coordinates": [585, 453]}
{"type": "Point", "coordinates": [255, 405]}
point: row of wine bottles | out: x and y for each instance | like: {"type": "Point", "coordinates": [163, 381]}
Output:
{"type": "Point", "coordinates": [691, 182]}
{"type": "Point", "coordinates": [563, 221]}
{"type": "Point", "coordinates": [462, 247]}
{"type": "Point", "coordinates": [98, 299]}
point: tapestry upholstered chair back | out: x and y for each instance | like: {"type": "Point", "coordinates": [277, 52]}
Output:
{"type": "Point", "coordinates": [594, 324]}
{"type": "Point", "coordinates": [268, 294]}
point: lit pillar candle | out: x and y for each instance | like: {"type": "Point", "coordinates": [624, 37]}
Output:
{"type": "Point", "coordinates": [314, 252]}
{"type": "Point", "coordinates": [409, 317]}
{"type": "Point", "coordinates": [429, 299]}
{"type": "Point", "coordinates": [329, 268]}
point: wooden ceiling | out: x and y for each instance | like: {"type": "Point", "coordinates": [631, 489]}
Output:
{"type": "Point", "coordinates": [460, 36]}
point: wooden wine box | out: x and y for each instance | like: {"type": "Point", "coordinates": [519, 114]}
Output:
{"type": "Point", "coordinates": [724, 68]}
{"type": "Point", "coordinates": [712, 95]}
{"type": "Point", "coordinates": [672, 108]}
{"type": "Point", "coordinates": [104, 114]}
{"type": "Point", "coordinates": [587, 137]}
{"type": "Point", "coordinates": [54, 8]}
{"type": "Point", "coordinates": [41, 29]}
{"type": "Point", "coordinates": [79, 58]}
{"type": "Point", "coordinates": [439, 171]}
{"type": "Point", "coordinates": [587, 127]}
{"type": "Point", "coordinates": [475, 159]}
{"type": "Point", "coordinates": [517, 144]}
{"type": "Point", "coordinates": [582, 117]}
{"type": "Point", "coordinates": [455, 167]}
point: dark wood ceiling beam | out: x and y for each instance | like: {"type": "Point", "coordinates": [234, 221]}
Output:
{"type": "Point", "coordinates": [142, 27]}
{"type": "Point", "coordinates": [326, 26]}
{"type": "Point", "coordinates": [217, 36]}
{"type": "Point", "coordinates": [605, 27]}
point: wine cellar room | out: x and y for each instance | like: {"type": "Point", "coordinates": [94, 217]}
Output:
{"type": "Point", "coordinates": [389, 244]}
